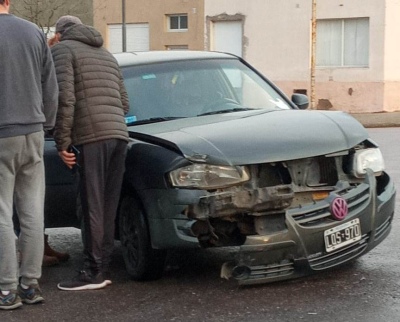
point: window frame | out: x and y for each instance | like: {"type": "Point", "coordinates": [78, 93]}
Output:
{"type": "Point", "coordinates": [177, 47]}
{"type": "Point", "coordinates": [179, 16]}
{"type": "Point", "coordinates": [343, 37]}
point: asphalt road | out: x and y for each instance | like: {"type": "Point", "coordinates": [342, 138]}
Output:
{"type": "Point", "coordinates": [366, 290]}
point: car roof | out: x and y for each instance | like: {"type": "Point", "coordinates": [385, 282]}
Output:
{"type": "Point", "coordinates": [149, 57]}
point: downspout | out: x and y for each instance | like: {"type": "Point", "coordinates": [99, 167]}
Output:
{"type": "Point", "coordinates": [313, 51]}
{"type": "Point", "coordinates": [123, 27]}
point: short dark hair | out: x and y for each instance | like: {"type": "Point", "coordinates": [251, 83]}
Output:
{"type": "Point", "coordinates": [2, 1]}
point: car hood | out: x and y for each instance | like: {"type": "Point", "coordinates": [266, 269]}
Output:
{"type": "Point", "coordinates": [256, 137]}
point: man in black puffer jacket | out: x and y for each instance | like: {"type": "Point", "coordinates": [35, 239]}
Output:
{"type": "Point", "coordinates": [91, 134]}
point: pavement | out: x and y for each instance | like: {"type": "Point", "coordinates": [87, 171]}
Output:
{"type": "Point", "coordinates": [382, 119]}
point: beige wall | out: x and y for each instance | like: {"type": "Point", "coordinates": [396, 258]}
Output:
{"type": "Point", "coordinates": [154, 13]}
{"type": "Point", "coordinates": [277, 35]}
{"type": "Point", "coordinates": [392, 41]}
{"type": "Point", "coordinates": [391, 57]}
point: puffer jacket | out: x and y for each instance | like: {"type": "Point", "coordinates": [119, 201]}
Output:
{"type": "Point", "coordinates": [92, 95]}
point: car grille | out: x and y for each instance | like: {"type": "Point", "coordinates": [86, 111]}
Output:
{"type": "Point", "coordinates": [382, 229]}
{"type": "Point", "coordinates": [284, 268]}
{"type": "Point", "coordinates": [332, 259]}
{"type": "Point", "coordinates": [316, 215]}
{"type": "Point", "coordinates": [341, 256]}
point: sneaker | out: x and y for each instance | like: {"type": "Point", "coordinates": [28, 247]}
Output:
{"type": "Point", "coordinates": [31, 295]}
{"type": "Point", "coordinates": [107, 277]}
{"type": "Point", "coordinates": [84, 281]}
{"type": "Point", "coordinates": [10, 301]}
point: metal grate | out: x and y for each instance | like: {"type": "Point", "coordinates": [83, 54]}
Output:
{"type": "Point", "coordinates": [382, 229]}
{"type": "Point", "coordinates": [341, 256]}
{"type": "Point", "coordinates": [319, 213]}
{"type": "Point", "coordinates": [273, 271]}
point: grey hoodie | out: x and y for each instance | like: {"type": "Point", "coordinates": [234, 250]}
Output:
{"type": "Point", "coordinates": [28, 86]}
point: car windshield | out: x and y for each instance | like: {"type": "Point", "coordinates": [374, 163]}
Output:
{"type": "Point", "coordinates": [164, 91]}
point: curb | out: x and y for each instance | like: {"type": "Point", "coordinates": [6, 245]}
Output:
{"type": "Point", "coordinates": [373, 120]}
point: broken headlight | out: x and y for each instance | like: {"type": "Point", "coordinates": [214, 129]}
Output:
{"type": "Point", "coordinates": [206, 176]}
{"type": "Point", "coordinates": [368, 159]}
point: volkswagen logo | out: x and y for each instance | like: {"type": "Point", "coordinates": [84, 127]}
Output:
{"type": "Point", "coordinates": [338, 208]}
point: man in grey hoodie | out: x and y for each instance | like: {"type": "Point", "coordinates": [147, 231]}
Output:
{"type": "Point", "coordinates": [28, 106]}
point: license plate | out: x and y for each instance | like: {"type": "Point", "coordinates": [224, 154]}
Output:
{"type": "Point", "coordinates": [342, 235]}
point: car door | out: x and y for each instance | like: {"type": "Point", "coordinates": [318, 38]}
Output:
{"type": "Point", "coordinates": [61, 189]}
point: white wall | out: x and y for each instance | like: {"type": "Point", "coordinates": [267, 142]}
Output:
{"type": "Point", "coordinates": [392, 41]}
{"type": "Point", "coordinates": [277, 36]}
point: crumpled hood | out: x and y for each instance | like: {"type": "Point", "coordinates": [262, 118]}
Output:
{"type": "Point", "coordinates": [83, 33]}
{"type": "Point", "coordinates": [251, 138]}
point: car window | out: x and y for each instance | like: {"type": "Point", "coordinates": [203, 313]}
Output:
{"type": "Point", "coordinates": [196, 87]}
{"type": "Point", "coordinates": [252, 91]}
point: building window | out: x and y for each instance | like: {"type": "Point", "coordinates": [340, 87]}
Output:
{"type": "Point", "coordinates": [177, 22]}
{"type": "Point", "coordinates": [137, 37]}
{"type": "Point", "coordinates": [177, 47]}
{"type": "Point", "coordinates": [343, 43]}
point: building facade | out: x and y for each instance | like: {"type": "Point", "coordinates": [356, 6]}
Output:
{"type": "Point", "coordinates": [151, 24]}
{"type": "Point", "coordinates": [357, 65]}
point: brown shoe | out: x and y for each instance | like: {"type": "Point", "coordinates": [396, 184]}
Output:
{"type": "Point", "coordinates": [49, 261]}
{"type": "Point", "coordinates": [48, 251]}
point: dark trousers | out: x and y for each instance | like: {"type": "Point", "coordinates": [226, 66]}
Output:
{"type": "Point", "coordinates": [102, 166]}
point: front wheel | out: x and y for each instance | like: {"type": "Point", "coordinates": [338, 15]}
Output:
{"type": "Point", "coordinates": [142, 262]}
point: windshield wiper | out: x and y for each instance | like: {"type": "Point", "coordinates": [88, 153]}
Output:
{"type": "Point", "coordinates": [155, 120]}
{"type": "Point", "coordinates": [236, 109]}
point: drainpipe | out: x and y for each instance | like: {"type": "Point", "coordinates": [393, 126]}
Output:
{"type": "Point", "coordinates": [123, 27]}
{"type": "Point", "coordinates": [313, 51]}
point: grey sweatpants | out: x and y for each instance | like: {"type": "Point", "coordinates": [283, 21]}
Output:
{"type": "Point", "coordinates": [21, 182]}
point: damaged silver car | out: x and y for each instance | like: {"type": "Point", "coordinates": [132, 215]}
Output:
{"type": "Point", "coordinates": [220, 157]}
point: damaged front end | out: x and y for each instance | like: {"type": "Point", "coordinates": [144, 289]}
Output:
{"type": "Point", "coordinates": [282, 215]}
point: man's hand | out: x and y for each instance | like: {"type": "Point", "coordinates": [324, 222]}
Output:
{"type": "Point", "coordinates": [68, 158]}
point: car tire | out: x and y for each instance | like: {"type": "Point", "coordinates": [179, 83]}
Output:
{"type": "Point", "coordinates": [143, 263]}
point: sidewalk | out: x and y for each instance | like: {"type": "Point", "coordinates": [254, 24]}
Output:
{"type": "Point", "coordinates": [384, 119]}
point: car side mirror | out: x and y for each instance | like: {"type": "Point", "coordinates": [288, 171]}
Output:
{"type": "Point", "coordinates": [300, 100]}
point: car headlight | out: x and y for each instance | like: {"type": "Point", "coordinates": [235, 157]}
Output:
{"type": "Point", "coordinates": [206, 176]}
{"type": "Point", "coordinates": [368, 159]}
